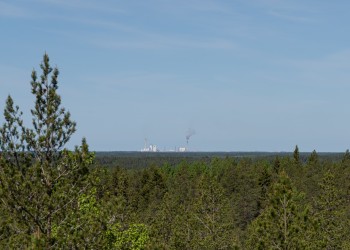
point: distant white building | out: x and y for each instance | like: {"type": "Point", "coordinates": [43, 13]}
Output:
{"type": "Point", "coordinates": [149, 148]}
{"type": "Point", "coordinates": [182, 149]}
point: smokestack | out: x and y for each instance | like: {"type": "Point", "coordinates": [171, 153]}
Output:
{"type": "Point", "coordinates": [189, 133]}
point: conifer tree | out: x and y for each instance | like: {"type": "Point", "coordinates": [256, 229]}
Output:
{"type": "Point", "coordinates": [284, 221]}
{"type": "Point", "coordinates": [211, 217]}
{"type": "Point", "coordinates": [346, 157]}
{"type": "Point", "coordinates": [329, 215]}
{"type": "Point", "coordinates": [40, 181]}
{"type": "Point", "coordinates": [313, 159]}
{"type": "Point", "coordinates": [277, 165]}
{"type": "Point", "coordinates": [264, 182]}
{"type": "Point", "coordinates": [296, 155]}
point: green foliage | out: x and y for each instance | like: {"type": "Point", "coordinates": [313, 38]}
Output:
{"type": "Point", "coordinates": [40, 181]}
{"type": "Point", "coordinates": [329, 215]}
{"type": "Point", "coordinates": [296, 155]}
{"type": "Point", "coordinates": [277, 165]}
{"type": "Point", "coordinates": [213, 227]}
{"type": "Point", "coordinates": [264, 182]}
{"type": "Point", "coordinates": [283, 223]}
{"type": "Point", "coordinates": [346, 157]}
{"type": "Point", "coordinates": [135, 237]}
{"type": "Point", "coordinates": [313, 159]}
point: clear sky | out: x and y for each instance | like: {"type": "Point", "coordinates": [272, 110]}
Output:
{"type": "Point", "coordinates": [247, 75]}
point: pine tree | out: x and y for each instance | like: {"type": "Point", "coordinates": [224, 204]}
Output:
{"type": "Point", "coordinates": [284, 221]}
{"type": "Point", "coordinates": [52, 124]}
{"type": "Point", "coordinates": [40, 181]}
{"type": "Point", "coordinates": [329, 215]}
{"type": "Point", "coordinates": [211, 216]}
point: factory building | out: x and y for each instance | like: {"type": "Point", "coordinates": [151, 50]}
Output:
{"type": "Point", "coordinates": [153, 148]}
{"type": "Point", "coordinates": [182, 149]}
{"type": "Point", "coordinates": [149, 148]}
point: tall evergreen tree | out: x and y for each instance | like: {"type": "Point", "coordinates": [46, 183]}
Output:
{"type": "Point", "coordinates": [211, 217]}
{"type": "Point", "coordinates": [313, 159]}
{"type": "Point", "coordinates": [284, 221]}
{"type": "Point", "coordinates": [40, 181]}
{"type": "Point", "coordinates": [296, 155]}
{"type": "Point", "coordinates": [264, 182]}
{"type": "Point", "coordinates": [329, 215]}
{"type": "Point", "coordinates": [346, 157]}
{"type": "Point", "coordinates": [277, 165]}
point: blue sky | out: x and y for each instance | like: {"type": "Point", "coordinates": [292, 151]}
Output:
{"type": "Point", "coordinates": [247, 75]}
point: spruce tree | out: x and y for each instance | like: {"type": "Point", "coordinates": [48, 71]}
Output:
{"type": "Point", "coordinates": [264, 182]}
{"type": "Point", "coordinates": [296, 155]}
{"type": "Point", "coordinates": [313, 159]}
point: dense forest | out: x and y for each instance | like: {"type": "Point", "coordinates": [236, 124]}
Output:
{"type": "Point", "coordinates": [54, 198]}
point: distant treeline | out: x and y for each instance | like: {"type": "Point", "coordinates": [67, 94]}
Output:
{"type": "Point", "coordinates": [135, 159]}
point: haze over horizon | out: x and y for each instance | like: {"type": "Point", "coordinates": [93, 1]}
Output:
{"type": "Point", "coordinates": [245, 75]}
